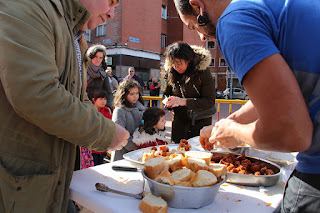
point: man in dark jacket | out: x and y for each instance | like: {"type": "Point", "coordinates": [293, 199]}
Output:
{"type": "Point", "coordinates": [131, 74]}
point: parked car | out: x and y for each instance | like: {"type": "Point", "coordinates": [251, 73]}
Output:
{"type": "Point", "coordinates": [238, 93]}
{"type": "Point", "coordinates": [219, 95]}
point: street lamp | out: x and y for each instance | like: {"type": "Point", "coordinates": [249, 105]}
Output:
{"type": "Point", "coordinates": [229, 81]}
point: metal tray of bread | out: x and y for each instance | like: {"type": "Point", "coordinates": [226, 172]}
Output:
{"type": "Point", "coordinates": [254, 180]}
{"type": "Point", "coordinates": [184, 197]}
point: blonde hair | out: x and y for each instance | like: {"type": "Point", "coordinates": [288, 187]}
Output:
{"type": "Point", "coordinates": [123, 91]}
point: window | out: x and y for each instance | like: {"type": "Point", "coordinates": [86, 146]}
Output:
{"type": "Point", "coordinates": [212, 63]}
{"type": "Point", "coordinates": [87, 35]}
{"type": "Point", "coordinates": [163, 40]}
{"type": "Point", "coordinates": [211, 45]}
{"type": "Point", "coordinates": [237, 90]}
{"type": "Point", "coordinates": [101, 30]}
{"type": "Point", "coordinates": [222, 62]}
{"type": "Point", "coordinates": [164, 11]}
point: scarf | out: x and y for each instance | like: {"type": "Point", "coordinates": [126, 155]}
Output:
{"type": "Point", "coordinates": [96, 71]}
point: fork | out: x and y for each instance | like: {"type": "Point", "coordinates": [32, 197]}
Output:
{"type": "Point", "coordinates": [104, 188]}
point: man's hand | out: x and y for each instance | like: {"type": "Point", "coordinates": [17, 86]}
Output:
{"type": "Point", "coordinates": [224, 136]}
{"type": "Point", "coordinates": [206, 131]}
{"type": "Point", "coordinates": [205, 134]}
{"type": "Point", "coordinates": [220, 134]}
{"type": "Point", "coordinates": [120, 138]}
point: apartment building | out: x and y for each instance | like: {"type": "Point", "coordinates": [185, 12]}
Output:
{"type": "Point", "coordinates": [139, 33]}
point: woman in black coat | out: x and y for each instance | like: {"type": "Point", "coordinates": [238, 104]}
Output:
{"type": "Point", "coordinates": [189, 86]}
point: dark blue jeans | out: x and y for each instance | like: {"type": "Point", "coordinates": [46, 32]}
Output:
{"type": "Point", "coordinates": [154, 103]}
{"type": "Point", "coordinates": [302, 194]}
{"type": "Point", "coordinates": [98, 158]}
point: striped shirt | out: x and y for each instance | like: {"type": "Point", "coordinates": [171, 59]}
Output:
{"type": "Point", "coordinates": [76, 42]}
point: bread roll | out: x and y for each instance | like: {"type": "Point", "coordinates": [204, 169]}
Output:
{"type": "Point", "coordinates": [203, 178]}
{"type": "Point", "coordinates": [182, 175]}
{"type": "Point", "coordinates": [177, 163]}
{"type": "Point", "coordinates": [196, 164]}
{"type": "Point", "coordinates": [153, 204]}
{"type": "Point", "coordinates": [147, 155]}
{"type": "Point", "coordinates": [218, 169]}
{"type": "Point", "coordinates": [199, 155]}
{"type": "Point", "coordinates": [154, 167]}
{"type": "Point", "coordinates": [166, 165]}
{"type": "Point", "coordinates": [165, 177]}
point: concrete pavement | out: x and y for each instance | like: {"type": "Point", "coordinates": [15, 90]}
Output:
{"type": "Point", "coordinates": [224, 112]}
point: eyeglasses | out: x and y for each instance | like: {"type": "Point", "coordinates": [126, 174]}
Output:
{"type": "Point", "coordinates": [131, 71]}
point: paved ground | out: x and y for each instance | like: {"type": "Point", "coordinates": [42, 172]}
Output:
{"type": "Point", "coordinates": [224, 112]}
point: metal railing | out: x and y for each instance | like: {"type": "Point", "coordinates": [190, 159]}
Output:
{"type": "Point", "coordinates": [218, 102]}
{"type": "Point", "coordinates": [150, 98]}
{"type": "Point", "coordinates": [230, 102]}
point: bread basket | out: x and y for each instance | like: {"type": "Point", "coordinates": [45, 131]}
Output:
{"type": "Point", "coordinates": [184, 197]}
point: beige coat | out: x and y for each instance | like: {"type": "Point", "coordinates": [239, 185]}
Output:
{"type": "Point", "coordinates": [42, 108]}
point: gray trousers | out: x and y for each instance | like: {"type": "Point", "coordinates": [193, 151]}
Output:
{"type": "Point", "coordinates": [301, 194]}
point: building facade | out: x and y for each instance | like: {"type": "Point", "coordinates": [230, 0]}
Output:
{"type": "Point", "coordinates": [138, 35]}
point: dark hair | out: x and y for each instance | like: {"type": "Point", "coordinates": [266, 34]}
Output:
{"type": "Point", "coordinates": [123, 91]}
{"type": "Point", "coordinates": [151, 117]}
{"type": "Point", "coordinates": [181, 50]}
{"type": "Point", "coordinates": [184, 7]}
{"type": "Point", "coordinates": [92, 51]}
{"type": "Point", "coordinates": [104, 64]}
{"type": "Point", "coordinates": [100, 94]}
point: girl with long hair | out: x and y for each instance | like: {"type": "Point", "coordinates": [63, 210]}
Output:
{"type": "Point", "coordinates": [128, 111]}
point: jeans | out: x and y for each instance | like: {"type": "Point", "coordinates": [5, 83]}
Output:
{"type": "Point", "coordinates": [302, 194]}
{"type": "Point", "coordinates": [154, 103]}
{"type": "Point", "coordinates": [71, 207]}
{"type": "Point", "coordinates": [98, 158]}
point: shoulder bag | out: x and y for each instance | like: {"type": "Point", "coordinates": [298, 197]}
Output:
{"type": "Point", "coordinates": [198, 114]}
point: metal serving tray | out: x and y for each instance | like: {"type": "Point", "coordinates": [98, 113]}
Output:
{"type": "Point", "coordinates": [254, 180]}
{"type": "Point", "coordinates": [184, 197]}
{"type": "Point", "coordinates": [136, 155]}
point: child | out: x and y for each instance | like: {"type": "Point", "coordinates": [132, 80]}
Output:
{"type": "Point", "coordinates": [128, 111]}
{"type": "Point", "coordinates": [90, 157]}
{"type": "Point", "coordinates": [99, 100]}
{"type": "Point", "coordinates": [151, 133]}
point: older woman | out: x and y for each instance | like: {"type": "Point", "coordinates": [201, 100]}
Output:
{"type": "Point", "coordinates": [112, 80]}
{"type": "Point", "coordinates": [97, 77]}
{"type": "Point", "coordinates": [190, 87]}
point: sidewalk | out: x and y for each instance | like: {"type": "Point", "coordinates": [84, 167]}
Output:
{"type": "Point", "coordinates": [224, 112]}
